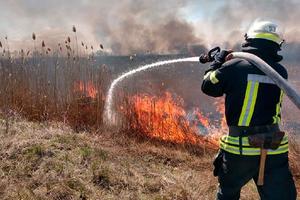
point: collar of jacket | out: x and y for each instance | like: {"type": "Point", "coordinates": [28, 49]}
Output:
{"type": "Point", "coordinates": [262, 48]}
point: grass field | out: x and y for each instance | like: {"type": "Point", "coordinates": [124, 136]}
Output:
{"type": "Point", "coordinates": [51, 161]}
{"type": "Point", "coordinates": [54, 144]}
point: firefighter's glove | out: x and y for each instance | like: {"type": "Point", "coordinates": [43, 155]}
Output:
{"type": "Point", "coordinates": [220, 58]}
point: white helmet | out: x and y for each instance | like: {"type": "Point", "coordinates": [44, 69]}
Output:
{"type": "Point", "coordinates": [264, 30]}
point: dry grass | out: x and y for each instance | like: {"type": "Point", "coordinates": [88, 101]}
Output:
{"type": "Point", "coordinates": [42, 84]}
{"type": "Point", "coordinates": [44, 160]}
{"type": "Point", "coordinates": [50, 161]}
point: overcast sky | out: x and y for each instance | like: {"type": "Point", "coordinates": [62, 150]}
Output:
{"type": "Point", "coordinates": [155, 25]}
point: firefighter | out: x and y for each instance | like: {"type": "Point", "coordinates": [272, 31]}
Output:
{"type": "Point", "coordinates": [253, 114]}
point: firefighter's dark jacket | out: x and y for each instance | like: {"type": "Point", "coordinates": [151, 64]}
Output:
{"type": "Point", "coordinates": [252, 98]}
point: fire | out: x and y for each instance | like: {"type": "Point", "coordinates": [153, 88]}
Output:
{"type": "Point", "coordinates": [202, 119]}
{"type": "Point", "coordinates": [165, 119]}
{"type": "Point", "coordinates": [221, 109]}
{"type": "Point", "coordinates": [88, 88]}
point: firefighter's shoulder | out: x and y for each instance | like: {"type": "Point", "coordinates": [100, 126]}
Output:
{"type": "Point", "coordinates": [236, 64]}
{"type": "Point", "coordinates": [235, 61]}
{"type": "Point", "coordinates": [232, 64]}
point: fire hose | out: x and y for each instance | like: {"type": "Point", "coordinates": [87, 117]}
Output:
{"type": "Point", "coordinates": [282, 83]}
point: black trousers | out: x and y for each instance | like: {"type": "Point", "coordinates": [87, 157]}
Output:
{"type": "Point", "coordinates": [234, 171]}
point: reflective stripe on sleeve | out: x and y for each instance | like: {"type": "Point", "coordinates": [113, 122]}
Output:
{"type": "Point", "coordinates": [213, 77]}
{"type": "Point", "coordinates": [207, 75]}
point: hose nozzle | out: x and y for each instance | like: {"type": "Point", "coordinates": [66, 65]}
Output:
{"type": "Point", "coordinates": [209, 57]}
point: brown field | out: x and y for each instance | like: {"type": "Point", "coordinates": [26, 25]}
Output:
{"type": "Point", "coordinates": [51, 161]}
{"type": "Point", "coordinates": [55, 145]}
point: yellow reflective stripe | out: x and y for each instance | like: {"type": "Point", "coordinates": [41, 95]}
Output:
{"type": "Point", "coordinates": [253, 151]}
{"type": "Point", "coordinates": [249, 103]}
{"type": "Point", "coordinates": [281, 149]}
{"type": "Point", "coordinates": [253, 102]}
{"type": "Point", "coordinates": [268, 36]}
{"type": "Point", "coordinates": [245, 103]}
{"type": "Point", "coordinates": [236, 150]}
{"type": "Point", "coordinates": [245, 140]}
{"type": "Point", "coordinates": [235, 140]}
{"type": "Point", "coordinates": [276, 118]}
{"type": "Point", "coordinates": [229, 149]}
{"type": "Point", "coordinates": [207, 75]}
{"type": "Point", "coordinates": [213, 77]}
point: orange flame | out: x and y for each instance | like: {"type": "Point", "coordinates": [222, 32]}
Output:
{"type": "Point", "coordinates": [88, 88]}
{"type": "Point", "coordinates": [165, 119]}
{"type": "Point", "coordinates": [203, 120]}
{"type": "Point", "coordinates": [221, 109]}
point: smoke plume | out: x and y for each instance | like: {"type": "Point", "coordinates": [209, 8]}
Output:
{"type": "Point", "coordinates": [141, 26]}
{"type": "Point", "coordinates": [124, 27]}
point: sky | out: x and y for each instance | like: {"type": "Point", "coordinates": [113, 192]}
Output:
{"type": "Point", "coordinates": [130, 26]}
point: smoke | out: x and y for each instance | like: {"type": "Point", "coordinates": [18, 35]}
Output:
{"type": "Point", "coordinates": [231, 20]}
{"type": "Point", "coordinates": [146, 26]}
{"type": "Point", "coordinates": [141, 26]}
{"type": "Point", "coordinates": [168, 35]}
{"type": "Point", "coordinates": [123, 27]}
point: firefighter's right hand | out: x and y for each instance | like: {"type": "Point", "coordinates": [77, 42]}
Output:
{"type": "Point", "coordinates": [220, 57]}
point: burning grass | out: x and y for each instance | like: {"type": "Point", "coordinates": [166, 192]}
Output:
{"type": "Point", "coordinates": [65, 85]}
{"type": "Point", "coordinates": [74, 93]}
{"type": "Point", "coordinates": [164, 119]}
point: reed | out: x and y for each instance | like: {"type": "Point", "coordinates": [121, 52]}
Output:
{"type": "Point", "coordinates": [40, 83]}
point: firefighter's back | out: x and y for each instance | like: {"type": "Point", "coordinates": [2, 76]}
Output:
{"type": "Point", "coordinates": [252, 98]}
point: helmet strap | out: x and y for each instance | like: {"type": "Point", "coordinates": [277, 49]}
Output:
{"type": "Point", "coordinates": [281, 43]}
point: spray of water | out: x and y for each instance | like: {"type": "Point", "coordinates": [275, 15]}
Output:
{"type": "Point", "coordinates": [109, 113]}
